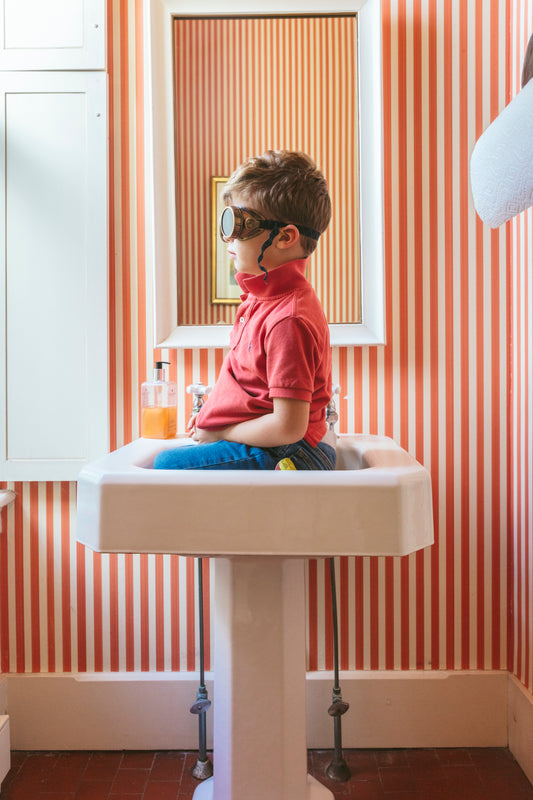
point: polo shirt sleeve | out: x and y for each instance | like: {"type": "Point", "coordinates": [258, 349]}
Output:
{"type": "Point", "coordinates": [291, 359]}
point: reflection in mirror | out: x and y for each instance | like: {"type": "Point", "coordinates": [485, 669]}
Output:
{"type": "Point", "coordinates": [246, 85]}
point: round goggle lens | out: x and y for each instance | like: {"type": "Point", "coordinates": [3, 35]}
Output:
{"type": "Point", "coordinates": [227, 222]}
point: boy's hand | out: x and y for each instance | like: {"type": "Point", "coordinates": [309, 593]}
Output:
{"type": "Point", "coordinates": [205, 436]}
{"type": "Point", "coordinates": [191, 425]}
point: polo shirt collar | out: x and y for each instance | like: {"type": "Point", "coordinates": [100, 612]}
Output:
{"type": "Point", "coordinates": [281, 280]}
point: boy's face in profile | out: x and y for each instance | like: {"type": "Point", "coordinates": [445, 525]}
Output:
{"type": "Point", "coordinates": [245, 252]}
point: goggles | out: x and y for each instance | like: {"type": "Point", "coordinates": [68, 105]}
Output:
{"type": "Point", "coordinates": [242, 223]}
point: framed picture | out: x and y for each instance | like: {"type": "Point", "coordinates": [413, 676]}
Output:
{"type": "Point", "coordinates": [224, 287]}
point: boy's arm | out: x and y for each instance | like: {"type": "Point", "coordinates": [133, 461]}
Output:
{"type": "Point", "coordinates": [285, 425]}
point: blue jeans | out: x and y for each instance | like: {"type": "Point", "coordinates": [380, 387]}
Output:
{"type": "Point", "coordinates": [230, 455]}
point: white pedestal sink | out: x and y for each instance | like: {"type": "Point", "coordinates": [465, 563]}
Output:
{"type": "Point", "coordinates": [260, 526]}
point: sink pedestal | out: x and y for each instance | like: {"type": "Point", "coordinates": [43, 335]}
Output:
{"type": "Point", "coordinates": [260, 749]}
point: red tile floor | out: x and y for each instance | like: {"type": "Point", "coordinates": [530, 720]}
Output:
{"type": "Point", "coordinates": [430, 774]}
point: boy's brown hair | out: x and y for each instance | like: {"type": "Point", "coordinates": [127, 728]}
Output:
{"type": "Point", "coordinates": [284, 185]}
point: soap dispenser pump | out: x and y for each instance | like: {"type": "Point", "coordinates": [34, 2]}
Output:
{"type": "Point", "coordinates": [159, 405]}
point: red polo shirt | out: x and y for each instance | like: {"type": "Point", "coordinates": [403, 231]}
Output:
{"type": "Point", "coordinates": [279, 347]}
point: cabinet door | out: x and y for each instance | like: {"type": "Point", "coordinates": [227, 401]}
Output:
{"type": "Point", "coordinates": [53, 274]}
{"type": "Point", "coordinates": [55, 34]}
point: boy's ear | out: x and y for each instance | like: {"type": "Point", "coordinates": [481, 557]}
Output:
{"type": "Point", "coordinates": [288, 236]}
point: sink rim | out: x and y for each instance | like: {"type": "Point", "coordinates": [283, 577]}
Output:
{"type": "Point", "coordinates": [134, 461]}
{"type": "Point", "coordinates": [126, 508]}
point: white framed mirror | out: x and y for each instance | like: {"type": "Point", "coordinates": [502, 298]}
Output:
{"type": "Point", "coordinates": [165, 88]}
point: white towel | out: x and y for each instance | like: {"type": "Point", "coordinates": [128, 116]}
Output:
{"type": "Point", "coordinates": [501, 166]}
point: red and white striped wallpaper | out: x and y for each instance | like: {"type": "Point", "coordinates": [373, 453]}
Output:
{"type": "Point", "coordinates": [452, 385]}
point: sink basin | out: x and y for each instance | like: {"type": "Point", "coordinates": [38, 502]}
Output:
{"type": "Point", "coordinates": [259, 526]}
{"type": "Point", "coordinates": [377, 502]}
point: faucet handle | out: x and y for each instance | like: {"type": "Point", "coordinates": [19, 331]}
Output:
{"type": "Point", "coordinates": [199, 392]}
{"type": "Point", "coordinates": [198, 389]}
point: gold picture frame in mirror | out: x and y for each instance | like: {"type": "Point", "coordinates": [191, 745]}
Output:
{"type": "Point", "coordinates": [224, 288]}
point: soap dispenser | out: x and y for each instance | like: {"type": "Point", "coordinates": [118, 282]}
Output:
{"type": "Point", "coordinates": [159, 405]}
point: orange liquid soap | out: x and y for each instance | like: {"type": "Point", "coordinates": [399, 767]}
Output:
{"type": "Point", "coordinates": [159, 423]}
{"type": "Point", "coordinates": [159, 406]}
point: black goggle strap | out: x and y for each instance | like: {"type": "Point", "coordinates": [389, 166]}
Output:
{"type": "Point", "coordinates": [270, 223]}
{"type": "Point", "coordinates": [312, 234]}
{"type": "Point", "coordinates": [273, 233]}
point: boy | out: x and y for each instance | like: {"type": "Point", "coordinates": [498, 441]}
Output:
{"type": "Point", "coordinates": [270, 398]}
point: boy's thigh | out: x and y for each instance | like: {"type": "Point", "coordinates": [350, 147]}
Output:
{"type": "Point", "coordinates": [215, 455]}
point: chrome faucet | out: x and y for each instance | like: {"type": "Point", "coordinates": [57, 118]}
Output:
{"type": "Point", "coordinates": [199, 395]}
{"type": "Point", "coordinates": [331, 410]}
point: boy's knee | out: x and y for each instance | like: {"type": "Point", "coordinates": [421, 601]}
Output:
{"type": "Point", "coordinates": [170, 459]}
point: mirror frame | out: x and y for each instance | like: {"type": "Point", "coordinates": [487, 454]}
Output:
{"type": "Point", "coordinates": [160, 210]}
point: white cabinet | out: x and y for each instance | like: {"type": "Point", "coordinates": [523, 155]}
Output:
{"type": "Point", "coordinates": [53, 237]}
{"type": "Point", "coordinates": [53, 273]}
{"type": "Point", "coordinates": [55, 34]}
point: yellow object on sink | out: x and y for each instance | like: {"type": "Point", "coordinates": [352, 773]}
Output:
{"type": "Point", "coordinates": [285, 463]}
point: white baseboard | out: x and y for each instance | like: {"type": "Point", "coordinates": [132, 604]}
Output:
{"type": "Point", "coordinates": [103, 711]}
{"type": "Point", "coordinates": [520, 704]}
{"type": "Point", "coordinates": [412, 709]}
{"type": "Point", "coordinates": [150, 711]}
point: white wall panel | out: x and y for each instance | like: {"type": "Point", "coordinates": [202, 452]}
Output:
{"type": "Point", "coordinates": [56, 34]}
{"type": "Point", "coordinates": [54, 263]}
